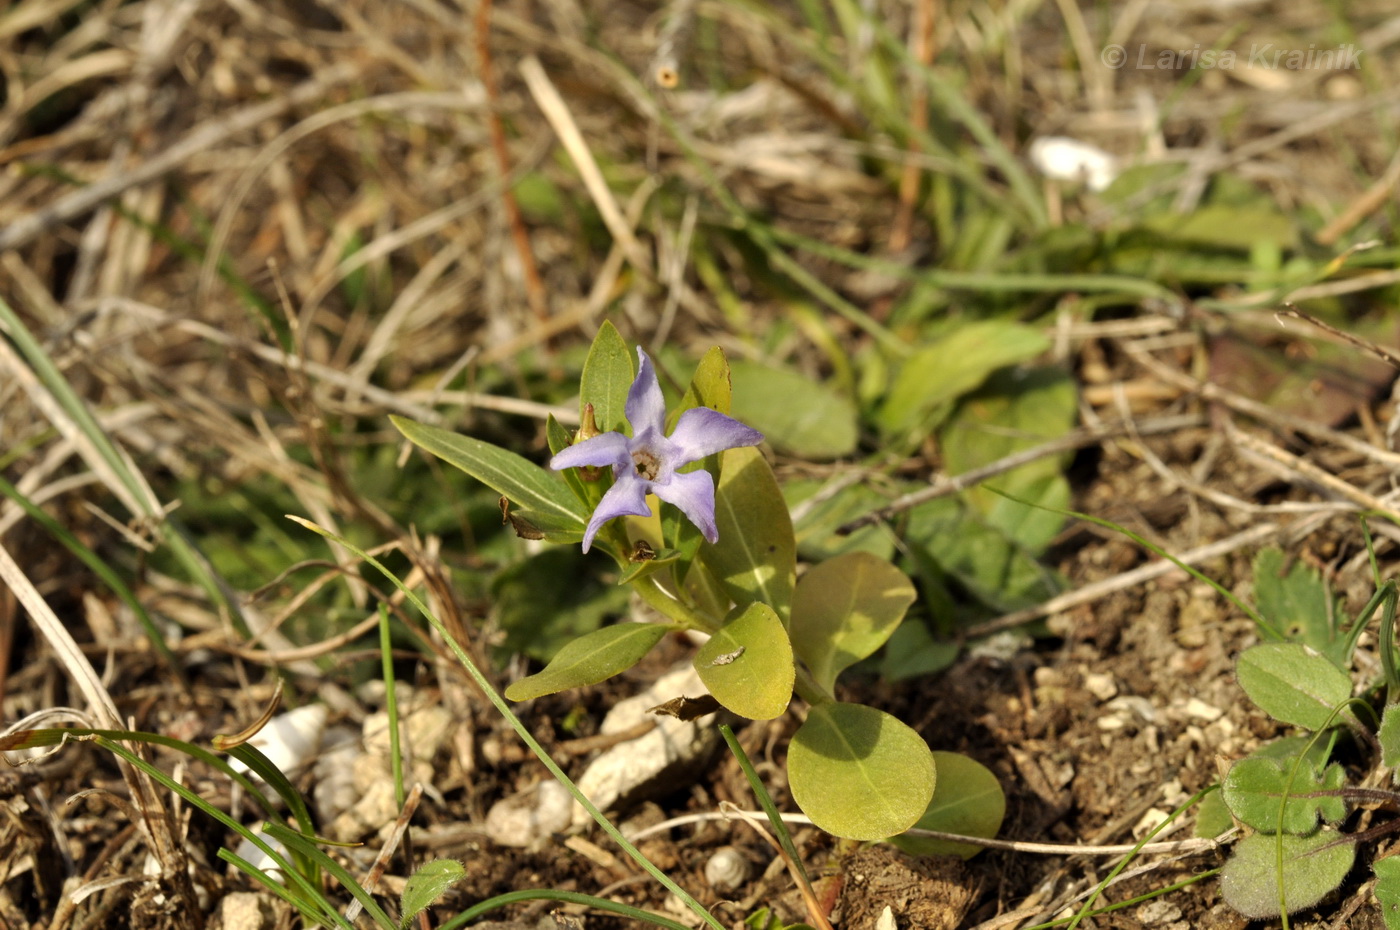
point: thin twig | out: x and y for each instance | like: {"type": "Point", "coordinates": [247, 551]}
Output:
{"type": "Point", "coordinates": [529, 271]}
{"type": "Point", "coordinates": [1085, 436]}
{"type": "Point", "coordinates": [1040, 849]}
{"type": "Point", "coordinates": [1256, 534]}
{"type": "Point", "coordinates": [25, 230]}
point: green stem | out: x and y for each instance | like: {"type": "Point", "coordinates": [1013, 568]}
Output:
{"type": "Point", "coordinates": [650, 590]}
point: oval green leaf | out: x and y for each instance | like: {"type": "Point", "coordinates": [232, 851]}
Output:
{"type": "Point", "coordinates": [591, 658]}
{"type": "Point", "coordinates": [858, 772]}
{"type": "Point", "coordinates": [748, 664]}
{"type": "Point", "coordinates": [796, 415]}
{"type": "Point", "coordinates": [844, 609]}
{"type": "Point", "coordinates": [755, 558]}
{"type": "Point", "coordinates": [607, 377]}
{"type": "Point", "coordinates": [967, 800]}
{"type": "Point", "coordinates": [519, 479]}
{"type": "Point", "coordinates": [1292, 683]}
{"type": "Point", "coordinates": [427, 885]}
{"type": "Point", "coordinates": [1312, 867]}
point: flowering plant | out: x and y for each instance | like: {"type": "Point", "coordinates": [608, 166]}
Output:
{"type": "Point", "coordinates": [697, 525]}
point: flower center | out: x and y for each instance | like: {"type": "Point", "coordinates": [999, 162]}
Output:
{"type": "Point", "coordinates": [648, 465]}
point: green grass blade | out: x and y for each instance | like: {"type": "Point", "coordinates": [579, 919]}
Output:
{"type": "Point", "coordinates": [102, 570]}
{"type": "Point", "coordinates": [307, 847]}
{"type": "Point", "coordinates": [567, 897]}
{"type": "Point", "coordinates": [521, 730]}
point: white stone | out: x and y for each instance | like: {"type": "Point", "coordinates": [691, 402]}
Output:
{"type": "Point", "coordinates": [289, 740]}
{"type": "Point", "coordinates": [1064, 159]}
{"type": "Point", "coordinates": [1198, 709]}
{"type": "Point", "coordinates": [1101, 685]}
{"type": "Point", "coordinates": [530, 815]}
{"type": "Point", "coordinates": [627, 769]}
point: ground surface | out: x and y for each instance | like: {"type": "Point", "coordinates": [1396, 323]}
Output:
{"type": "Point", "coordinates": [192, 187]}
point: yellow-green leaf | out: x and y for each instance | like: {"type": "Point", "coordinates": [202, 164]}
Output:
{"type": "Point", "coordinates": [748, 664]}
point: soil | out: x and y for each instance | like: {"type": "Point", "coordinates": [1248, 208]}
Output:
{"type": "Point", "coordinates": [1099, 719]}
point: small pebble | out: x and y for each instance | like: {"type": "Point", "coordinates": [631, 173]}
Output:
{"type": "Point", "coordinates": [1101, 685]}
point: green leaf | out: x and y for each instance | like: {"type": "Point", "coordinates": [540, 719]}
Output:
{"type": "Point", "coordinates": [844, 609]}
{"type": "Point", "coordinates": [1389, 736]}
{"type": "Point", "coordinates": [1292, 683]}
{"type": "Point", "coordinates": [967, 800]}
{"type": "Point", "coordinates": [823, 513]}
{"type": "Point", "coordinates": [426, 885]}
{"type": "Point", "coordinates": [1296, 604]}
{"type": "Point", "coordinates": [543, 602]}
{"type": "Point", "coordinates": [1312, 867]}
{"type": "Point", "coordinates": [1212, 817]}
{"type": "Point", "coordinates": [747, 665]}
{"type": "Point", "coordinates": [592, 658]}
{"type": "Point", "coordinates": [912, 651]}
{"type": "Point", "coordinates": [755, 558]}
{"type": "Point", "coordinates": [937, 375]}
{"type": "Point", "coordinates": [797, 415]}
{"type": "Point", "coordinates": [1388, 890]}
{"type": "Point", "coordinates": [1014, 410]}
{"type": "Point", "coordinates": [607, 377]}
{"type": "Point", "coordinates": [858, 772]}
{"type": "Point", "coordinates": [1255, 789]}
{"type": "Point", "coordinates": [711, 387]}
{"type": "Point", "coordinates": [523, 482]}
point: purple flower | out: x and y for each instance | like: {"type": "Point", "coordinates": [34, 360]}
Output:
{"type": "Point", "coordinates": [650, 461]}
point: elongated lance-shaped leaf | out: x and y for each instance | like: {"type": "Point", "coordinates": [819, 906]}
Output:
{"type": "Point", "coordinates": [607, 376]}
{"type": "Point", "coordinates": [519, 479]}
{"type": "Point", "coordinates": [591, 658]}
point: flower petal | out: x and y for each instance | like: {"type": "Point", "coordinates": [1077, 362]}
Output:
{"type": "Point", "coordinates": [628, 495]}
{"type": "Point", "coordinates": [603, 449]}
{"type": "Point", "coordinates": [702, 431]}
{"type": "Point", "coordinates": [694, 493]}
{"type": "Point", "coordinates": [646, 408]}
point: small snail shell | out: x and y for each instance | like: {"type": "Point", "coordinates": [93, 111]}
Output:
{"type": "Point", "coordinates": [727, 869]}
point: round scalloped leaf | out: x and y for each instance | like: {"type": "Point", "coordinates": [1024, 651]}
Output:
{"type": "Point", "coordinates": [1312, 867]}
{"type": "Point", "coordinates": [1388, 890]}
{"type": "Point", "coordinates": [844, 609]}
{"type": "Point", "coordinates": [748, 664]}
{"type": "Point", "coordinates": [1293, 683]}
{"type": "Point", "coordinates": [858, 772]}
{"type": "Point", "coordinates": [591, 658]}
{"type": "Point", "coordinates": [1389, 736]}
{"type": "Point", "coordinates": [967, 800]}
{"type": "Point", "coordinates": [1255, 790]}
